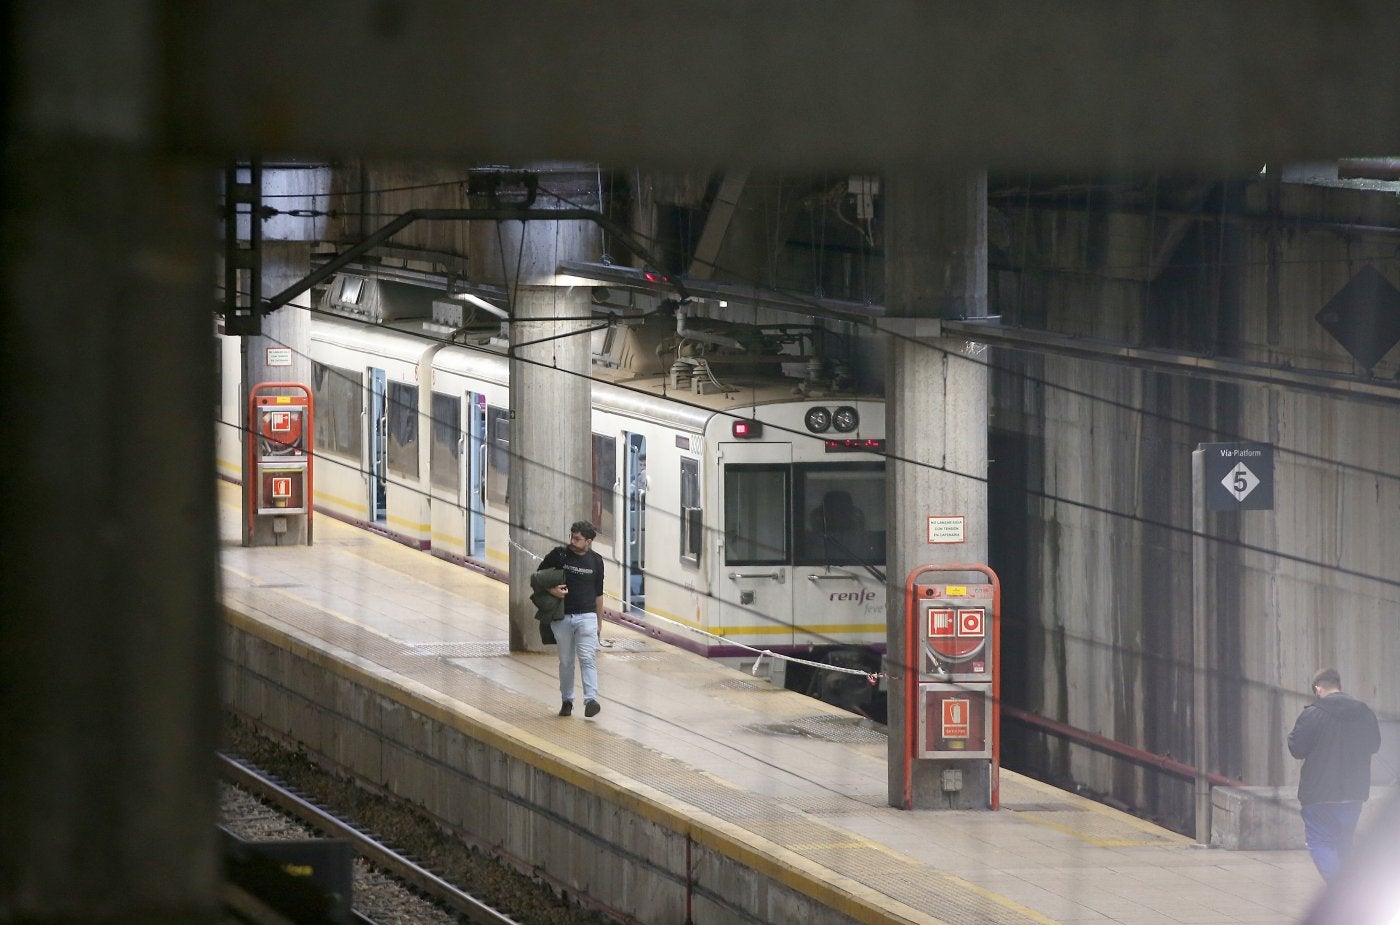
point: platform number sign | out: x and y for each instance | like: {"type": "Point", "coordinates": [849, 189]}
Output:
{"type": "Point", "coordinates": [1239, 476]}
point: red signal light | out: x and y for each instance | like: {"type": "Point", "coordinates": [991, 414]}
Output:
{"type": "Point", "coordinates": [746, 429]}
{"type": "Point", "coordinates": [855, 445]}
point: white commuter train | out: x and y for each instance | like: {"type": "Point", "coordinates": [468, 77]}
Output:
{"type": "Point", "coordinates": [732, 521]}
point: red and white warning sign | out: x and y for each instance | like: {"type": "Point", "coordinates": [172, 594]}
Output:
{"type": "Point", "coordinates": [281, 487]}
{"type": "Point", "coordinates": [957, 633]}
{"type": "Point", "coordinates": [956, 717]}
{"type": "Point", "coordinates": [941, 624]}
{"type": "Point", "coordinates": [279, 422]}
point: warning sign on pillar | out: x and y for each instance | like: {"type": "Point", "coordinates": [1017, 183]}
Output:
{"type": "Point", "coordinates": [279, 422]}
{"type": "Point", "coordinates": [956, 718]}
{"type": "Point", "coordinates": [282, 490]}
{"type": "Point", "coordinates": [956, 634]}
{"type": "Point", "coordinates": [947, 528]}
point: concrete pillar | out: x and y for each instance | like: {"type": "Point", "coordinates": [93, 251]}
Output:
{"type": "Point", "coordinates": [108, 706]}
{"type": "Point", "coordinates": [283, 264]}
{"type": "Point", "coordinates": [936, 422]}
{"type": "Point", "coordinates": [550, 482]}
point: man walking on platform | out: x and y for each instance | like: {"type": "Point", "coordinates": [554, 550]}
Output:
{"type": "Point", "coordinates": [1335, 735]}
{"type": "Point", "coordinates": [578, 631]}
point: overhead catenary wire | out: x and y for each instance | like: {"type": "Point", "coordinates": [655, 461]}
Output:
{"type": "Point", "coordinates": [1044, 496]}
{"type": "Point", "coordinates": [1136, 410]}
{"type": "Point", "coordinates": [873, 677]}
{"type": "Point", "coordinates": [1217, 266]}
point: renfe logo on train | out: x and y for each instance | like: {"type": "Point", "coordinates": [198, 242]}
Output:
{"type": "Point", "coordinates": [859, 597]}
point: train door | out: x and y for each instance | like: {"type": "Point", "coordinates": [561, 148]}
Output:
{"type": "Point", "coordinates": [634, 525]}
{"type": "Point", "coordinates": [377, 465]}
{"type": "Point", "coordinates": [839, 551]}
{"type": "Point", "coordinates": [754, 583]}
{"type": "Point", "coordinates": [474, 485]}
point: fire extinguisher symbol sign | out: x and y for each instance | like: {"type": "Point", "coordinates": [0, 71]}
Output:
{"type": "Point", "coordinates": [955, 717]}
{"type": "Point", "coordinates": [281, 487]}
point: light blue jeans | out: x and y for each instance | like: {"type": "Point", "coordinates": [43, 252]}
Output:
{"type": "Point", "coordinates": [577, 636]}
{"type": "Point", "coordinates": [1328, 830]}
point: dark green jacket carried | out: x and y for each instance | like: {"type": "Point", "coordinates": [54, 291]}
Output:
{"type": "Point", "coordinates": [548, 607]}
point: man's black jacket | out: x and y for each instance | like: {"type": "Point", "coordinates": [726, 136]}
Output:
{"type": "Point", "coordinates": [1335, 736]}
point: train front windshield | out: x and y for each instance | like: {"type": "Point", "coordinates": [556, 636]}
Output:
{"type": "Point", "coordinates": [805, 514]}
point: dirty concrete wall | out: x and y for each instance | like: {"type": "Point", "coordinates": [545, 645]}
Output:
{"type": "Point", "coordinates": [1096, 457]}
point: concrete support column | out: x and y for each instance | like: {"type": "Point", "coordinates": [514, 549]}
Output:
{"type": "Point", "coordinates": [551, 473]}
{"type": "Point", "coordinates": [283, 264]}
{"type": "Point", "coordinates": [108, 701]}
{"type": "Point", "coordinates": [936, 422]}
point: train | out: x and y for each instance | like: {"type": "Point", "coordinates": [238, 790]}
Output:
{"type": "Point", "coordinates": [738, 478]}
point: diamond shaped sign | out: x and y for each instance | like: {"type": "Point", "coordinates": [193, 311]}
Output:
{"type": "Point", "coordinates": [1364, 316]}
{"type": "Point", "coordinates": [1240, 481]}
{"type": "Point", "coordinates": [1238, 476]}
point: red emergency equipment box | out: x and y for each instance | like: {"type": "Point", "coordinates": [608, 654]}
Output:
{"type": "Point", "coordinates": [279, 442]}
{"type": "Point", "coordinates": [953, 644]}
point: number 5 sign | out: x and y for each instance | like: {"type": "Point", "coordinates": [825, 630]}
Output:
{"type": "Point", "coordinates": [1238, 476]}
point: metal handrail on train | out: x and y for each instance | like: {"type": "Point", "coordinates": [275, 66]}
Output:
{"type": "Point", "coordinates": [776, 576]}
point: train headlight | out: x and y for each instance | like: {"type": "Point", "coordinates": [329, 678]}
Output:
{"type": "Point", "coordinates": [845, 419]}
{"type": "Point", "coordinates": [818, 419]}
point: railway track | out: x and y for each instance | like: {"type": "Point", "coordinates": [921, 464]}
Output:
{"type": "Point", "coordinates": [464, 906]}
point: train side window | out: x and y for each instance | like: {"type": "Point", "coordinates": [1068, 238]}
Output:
{"type": "Point", "coordinates": [497, 453]}
{"type": "Point", "coordinates": [403, 429]}
{"type": "Point", "coordinates": [445, 451]}
{"type": "Point", "coordinates": [604, 478]}
{"type": "Point", "coordinates": [692, 519]}
{"type": "Point", "coordinates": [840, 514]}
{"type": "Point", "coordinates": [339, 396]}
{"type": "Point", "coordinates": [756, 514]}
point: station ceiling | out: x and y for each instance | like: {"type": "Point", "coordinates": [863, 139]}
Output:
{"type": "Point", "coordinates": [798, 84]}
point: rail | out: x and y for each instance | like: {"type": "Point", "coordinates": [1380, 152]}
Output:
{"type": "Point", "coordinates": [466, 905]}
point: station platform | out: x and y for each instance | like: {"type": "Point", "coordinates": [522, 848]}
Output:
{"type": "Point", "coordinates": [796, 788]}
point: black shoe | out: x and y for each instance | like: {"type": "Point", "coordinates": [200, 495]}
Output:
{"type": "Point", "coordinates": [591, 708]}
{"type": "Point", "coordinates": [567, 709]}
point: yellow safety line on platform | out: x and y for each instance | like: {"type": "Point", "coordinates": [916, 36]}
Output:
{"type": "Point", "coordinates": [997, 898]}
{"type": "Point", "coordinates": [1090, 839]}
{"type": "Point", "coordinates": [1160, 835]}
{"type": "Point", "coordinates": [846, 895]}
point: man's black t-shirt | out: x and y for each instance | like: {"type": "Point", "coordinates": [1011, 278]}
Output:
{"type": "Point", "coordinates": [582, 573]}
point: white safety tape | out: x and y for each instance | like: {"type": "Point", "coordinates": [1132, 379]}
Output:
{"type": "Point", "coordinates": [761, 653]}
{"type": "Point", "coordinates": [515, 545]}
